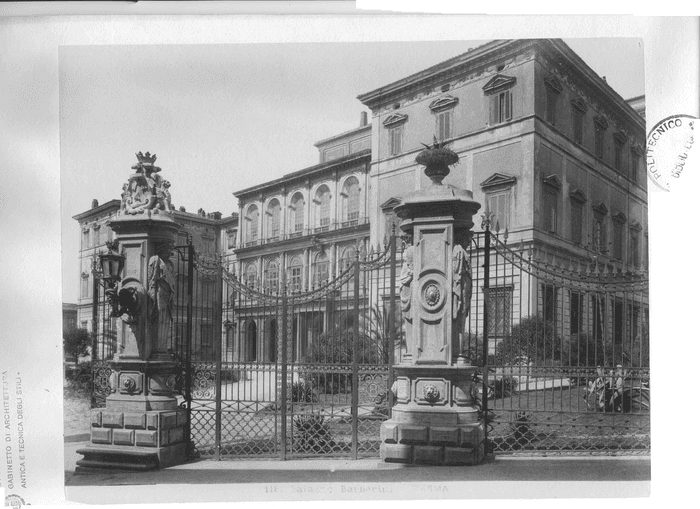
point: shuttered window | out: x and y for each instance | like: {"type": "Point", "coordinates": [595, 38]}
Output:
{"type": "Point", "coordinates": [444, 125]}
{"type": "Point", "coordinates": [501, 107]}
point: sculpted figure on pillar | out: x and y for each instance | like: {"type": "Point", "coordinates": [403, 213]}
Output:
{"type": "Point", "coordinates": [406, 280]}
{"type": "Point", "coordinates": [161, 286]}
{"type": "Point", "coordinates": [146, 189]}
{"type": "Point", "coordinates": [461, 282]}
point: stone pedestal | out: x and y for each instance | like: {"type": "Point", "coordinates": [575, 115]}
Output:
{"type": "Point", "coordinates": [435, 419]}
{"type": "Point", "coordinates": [141, 427]}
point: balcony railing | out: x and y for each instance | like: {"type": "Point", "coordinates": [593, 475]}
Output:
{"type": "Point", "coordinates": [333, 226]}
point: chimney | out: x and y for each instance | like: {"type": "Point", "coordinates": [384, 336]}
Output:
{"type": "Point", "coordinates": [363, 118]}
{"type": "Point", "coordinates": [216, 215]}
{"type": "Point", "coordinates": [95, 203]}
{"type": "Point", "coordinates": [182, 209]}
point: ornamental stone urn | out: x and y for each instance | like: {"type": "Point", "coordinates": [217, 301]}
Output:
{"type": "Point", "coordinates": [435, 419]}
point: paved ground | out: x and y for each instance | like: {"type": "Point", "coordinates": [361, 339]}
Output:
{"type": "Point", "coordinates": [368, 471]}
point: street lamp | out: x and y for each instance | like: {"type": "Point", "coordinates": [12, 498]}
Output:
{"type": "Point", "coordinates": [111, 263]}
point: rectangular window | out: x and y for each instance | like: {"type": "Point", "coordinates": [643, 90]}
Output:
{"type": "Point", "coordinates": [86, 239]}
{"type": "Point", "coordinates": [499, 206]}
{"type": "Point", "coordinates": [500, 310]}
{"type": "Point", "coordinates": [599, 142]}
{"type": "Point", "coordinates": [321, 272]}
{"type": "Point", "coordinates": [85, 287]}
{"type": "Point", "coordinates": [618, 157]}
{"type": "Point", "coordinates": [395, 140]}
{"type": "Point", "coordinates": [634, 248]}
{"type": "Point", "coordinates": [299, 217]}
{"type": "Point", "coordinates": [208, 293]}
{"type": "Point", "coordinates": [501, 107]}
{"type": "Point", "coordinates": [229, 337]}
{"type": "Point", "coordinates": [253, 230]}
{"type": "Point", "coordinates": [84, 324]}
{"type": "Point", "coordinates": [575, 313]}
{"type": "Point", "coordinates": [635, 167]}
{"type": "Point", "coordinates": [551, 107]}
{"type": "Point", "coordinates": [576, 222]}
{"type": "Point", "coordinates": [549, 309]}
{"type": "Point", "coordinates": [391, 223]}
{"type": "Point", "coordinates": [231, 239]}
{"type": "Point", "coordinates": [550, 211]}
{"type": "Point", "coordinates": [617, 241]}
{"type": "Point", "coordinates": [618, 320]}
{"type": "Point", "coordinates": [296, 278]}
{"type": "Point", "coordinates": [275, 225]}
{"type": "Point", "coordinates": [207, 335]}
{"type": "Point", "coordinates": [598, 305]}
{"type": "Point", "coordinates": [578, 126]}
{"type": "Point", "coordinates": [599, 237]}
{"type": "Point", "coordinates": [444, 125]}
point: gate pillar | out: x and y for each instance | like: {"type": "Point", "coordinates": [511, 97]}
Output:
{"type": "Point", "coordinates": [141, 427]}
{"type": "Point", "coordinates": [435, 419]}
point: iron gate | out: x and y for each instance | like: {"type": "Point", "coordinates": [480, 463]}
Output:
{"type": "Point", "coordinates": [562, 346]}
{"type": "Point", "coordinates": [563, 343]}
{"type": "Point", "coordinates": [297, 372]}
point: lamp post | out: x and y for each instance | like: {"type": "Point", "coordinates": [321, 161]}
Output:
{"type": "Point", "coordinates": [111, 263]}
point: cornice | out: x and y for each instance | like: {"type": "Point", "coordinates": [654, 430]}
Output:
{"type": "Point", "coordinates": [305, 176]}
{"type": "Point", "coordinates": [498, 180]}
{"type": "Point", "coordinates": [443, 103]}
{"type": "Point", "coordinates": [472, 62]}
{"type": "Point", "coordinates": [553, 182]}
{"type": "Point", "coordinates": [565, 64]}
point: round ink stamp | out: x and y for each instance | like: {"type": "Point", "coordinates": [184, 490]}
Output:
{"type": "Point", "coordinates": [14, 501]}
{"type": "Point", "coordinates": [671, 149]}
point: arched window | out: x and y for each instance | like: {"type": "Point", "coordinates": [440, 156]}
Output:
{"type": "Point", "coordinates": [321, 268]}
{"type": "Point", "coordinates": [347, 259]}
{"type": "Point", "coordinates": [251, 341]}
{"type": "Point", "coordinates": [273, 219]}
{"type": "Point", "coordinates": [351, 200]}
{"type": "Point", "coordinates": [296, 216]}
{"type": "Point", "coordinates": [272, 340]}
{"type": "Point", "coordinates": [252, 220]}
{"type": "Point", "coordinates": [296, 274]}
{"type": "Point", "coordinates": [323, 207]}
{"type": "Point", "coordinates": [272, 276]}
{"type": "Point", "coordinates": [251, 275]}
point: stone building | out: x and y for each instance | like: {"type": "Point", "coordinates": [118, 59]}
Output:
{"type": "Point", "coordinates": [545, 144]}
{"type": "Point", "coordinates": [211, 234]}
{"type": "Point", "coordinates": [301, 230]}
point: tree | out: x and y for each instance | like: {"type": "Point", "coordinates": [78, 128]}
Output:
{"type": "Point", "coordinates": [375, 334]}
{"type": "Point", "coordinates": [76, 342]}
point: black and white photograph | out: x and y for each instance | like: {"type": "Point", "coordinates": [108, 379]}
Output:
{"type": "Point", "coordinates": [345, 268]}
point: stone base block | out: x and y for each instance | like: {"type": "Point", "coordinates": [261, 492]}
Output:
{"type": "Point", "coordinates": [396, 453]}
{"type": "Point", "coordinates": [121, 439]}
{"type": "Point", "coordinates": [113, 458]}
{"type": "Point", "coordinates": [437, 445]}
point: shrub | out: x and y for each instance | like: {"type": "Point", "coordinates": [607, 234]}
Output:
{"type": "Point", "coordinates": [76, 342]}
{"type": "Point", "coordinates": [335, 348]}
{"type": "Point", "coordinates": [503, 386]}
{"type": "Point", "coordinates": [79, 380]}
{"type": "Point", "coordinates": [587, 350]}
{"type": "Point", "coordinates": [313, 433]}
{"type": "Point", "coordinates": [473, 350]}
{"type": "Point", "coordinates": [303, 392]}
{"type": "Point", "coordinates": [533, 338]}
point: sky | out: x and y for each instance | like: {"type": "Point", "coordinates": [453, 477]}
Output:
{"type": "Point", "coordinates": [222, 118]}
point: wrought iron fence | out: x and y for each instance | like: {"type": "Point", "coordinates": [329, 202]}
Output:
{"type": "Point", "coordinates": [564, 347]}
